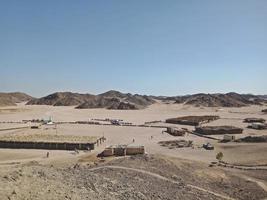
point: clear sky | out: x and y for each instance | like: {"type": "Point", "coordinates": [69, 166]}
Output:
{"type": "Point", "coordinates": [155, 47]}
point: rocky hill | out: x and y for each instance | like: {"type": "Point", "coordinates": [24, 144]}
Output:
{"type": "Point", "coordinates": [62, 99]}
{"type": "Point", "coordinates": [10, 99]}
{"type": "Point", "coordinates": [220, 100]}
{"type": "Point", "coordinates": [109, 103]}
{"type": "Point", "coordinates": [126, 101]}
{"type": "Point", "coordinates": [127, 178]}
{"type": "Point", "coordinates": [110, 100]}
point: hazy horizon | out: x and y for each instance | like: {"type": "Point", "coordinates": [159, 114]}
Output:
{"type": "Point", "coordinates": [88, 92]}
{"type": "Point", "coordinates": [145, 47]}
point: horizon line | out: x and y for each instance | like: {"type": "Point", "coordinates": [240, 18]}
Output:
{"type": "Point", "coordinates": [158, 95]}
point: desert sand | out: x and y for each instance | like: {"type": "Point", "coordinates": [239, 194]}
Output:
{"type": "Point", "coordinates": [29, 160]}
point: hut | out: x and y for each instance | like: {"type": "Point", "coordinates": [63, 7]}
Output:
{"type": "Point", "coordinates": [175, 131]}
{"type": "Point", "coordinates": [228, 138]}
{"type": "Point", "coordinates": [123, 150]}
{"type": "Point", "coordinates": [135, 150]}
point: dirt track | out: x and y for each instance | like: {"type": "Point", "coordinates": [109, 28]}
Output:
{"type": "Point", "coordinates": [162, 178]}
{"type": "Point", "coordinates": [142, 177]}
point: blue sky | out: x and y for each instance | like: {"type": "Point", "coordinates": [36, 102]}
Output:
{"type": "Point", "coordinates": [149, 47]}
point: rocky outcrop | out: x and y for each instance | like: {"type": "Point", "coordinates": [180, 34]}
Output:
{"type": "Point", "coordinates": [62, 99]}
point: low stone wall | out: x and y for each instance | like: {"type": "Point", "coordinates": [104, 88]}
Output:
{"type": "Point", "coordinates": [192, 120]}
{"type": "Point", "coordinates": [253, 120]}
{"type": "Point", "coordinates": [47, 145]}
{"type": "Point", "coordinates": [14, 128]}
{"type": "Point", "coordinates": [218, 130]}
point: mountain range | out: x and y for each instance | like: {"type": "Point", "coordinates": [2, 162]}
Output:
{"type": "Point", "coordinates": [109, 100]}
{"type": "Point", "coordinates": [219, 100]}
{"type": "Point", "coordinates": [126, 101]}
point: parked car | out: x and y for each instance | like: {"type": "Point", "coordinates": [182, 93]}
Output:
{"type": "Point", "coordinates": [208, 146]}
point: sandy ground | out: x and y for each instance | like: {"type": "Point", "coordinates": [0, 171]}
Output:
{"type": "Point", "coordinates": [236, 153]}
{"type": "Point", "coordinates": [12, 160]}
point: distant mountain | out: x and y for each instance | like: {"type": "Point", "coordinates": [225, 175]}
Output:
{"type": "Point", "coordinates": [109, 103]}
{"type": "Point", "coordinates": [62, 99]}
{"type": "Point", "coordinates": [262, 96]}
{"type": "Point", "coordinates": [118, 101]}
{"type": "Point", "coordinates": [220, 100]}
{"type": "Point", "coordinates": [126, 101]}
{"type": "Point", "coordinates": [113, 93]}
{"type": "Point", "coordinates": [110, 100]}
{"type": "Point", "coordinates": [10, 99]}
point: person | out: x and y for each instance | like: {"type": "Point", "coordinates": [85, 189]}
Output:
{"type": "Point", "coordinates": [76, 151]}
{"type": "Point", "coordinates": [133, 140]}
{"type": "Point", "coordinates": [47, 154]}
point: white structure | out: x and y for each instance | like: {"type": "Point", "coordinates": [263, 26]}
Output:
{"type": "Point", "coordinates": [228, 137]}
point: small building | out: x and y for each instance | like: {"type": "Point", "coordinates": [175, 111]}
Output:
{"type": "Point", "coordinates": [123, 150]}
{"type": "Point", "coordinates": [228, 138]}
{"type": "Point", "coordinates": [50, 123]}
{"type": "Point", "coordinates": [175, 131]}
